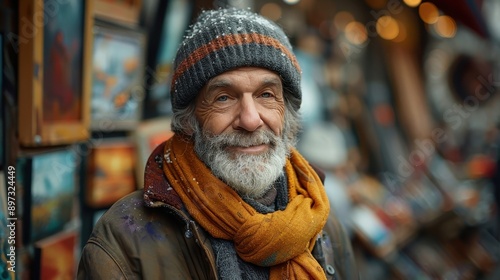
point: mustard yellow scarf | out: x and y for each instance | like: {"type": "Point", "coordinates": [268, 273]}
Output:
{"type": "Point", "coordinates": [282, 240]}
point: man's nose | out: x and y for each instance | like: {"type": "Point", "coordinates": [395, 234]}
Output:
{"type": "Point", "coordinates": [249, 117]}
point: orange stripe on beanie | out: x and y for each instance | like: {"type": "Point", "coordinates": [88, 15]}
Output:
{"type": "Point", "coordinates": [221, 40]}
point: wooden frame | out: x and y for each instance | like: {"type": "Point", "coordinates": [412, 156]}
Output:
{"type": "Point", "coordinates": [127, 13]}
{"type": "Point", "coordinates": [44, 119]}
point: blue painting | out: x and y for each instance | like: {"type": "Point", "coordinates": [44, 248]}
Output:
{"type": "Point", "coordinates": [53, 183]}
{"type": "Point", "coordinates": [117, 72]}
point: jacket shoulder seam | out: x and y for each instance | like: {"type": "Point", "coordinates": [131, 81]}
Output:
{"type": "Point", "coordinates": [94, 241]}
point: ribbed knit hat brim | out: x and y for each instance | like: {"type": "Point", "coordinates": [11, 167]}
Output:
{"type": "Point", "coordinates": [225, 39]}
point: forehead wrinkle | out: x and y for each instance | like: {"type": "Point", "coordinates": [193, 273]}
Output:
{"type": "Point", "coordinates": [218, 83]}
{"type": "Point", "coordinates": [272, 81]}
{"type": "Point", "coordinates": [221, 83]}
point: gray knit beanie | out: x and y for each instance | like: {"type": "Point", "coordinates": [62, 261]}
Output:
{"type": "Point", "coordinates": [224, 39]}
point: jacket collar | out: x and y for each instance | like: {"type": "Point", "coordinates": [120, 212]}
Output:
{"type": "Point", "coordinates": [157, 189]}
{"type": "Point", "coordinates": [159, 193]}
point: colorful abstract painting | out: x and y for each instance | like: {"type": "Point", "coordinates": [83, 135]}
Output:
{"type": "Point", "coordinates": [52, 192]}
{"type": "Point", "coordinates": [117, 71]}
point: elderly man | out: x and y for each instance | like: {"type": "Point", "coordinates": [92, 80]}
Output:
{"type": "Point", "coordinates": [228, 196]}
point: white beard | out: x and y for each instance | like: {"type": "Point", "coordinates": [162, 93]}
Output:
{"type": "Point", "coordinates": [248, 174]}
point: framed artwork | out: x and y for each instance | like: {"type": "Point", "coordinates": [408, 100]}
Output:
{"type": "Point", "coordinates": [172, 19]}
{"type": "Point", "coordinates": [110, 173]}
{"type": "Point", "coordinates": [53, 98]}
{"type": "Point", "coordinates": [148, 135]}
{"type": "Point", "coordinates": [372, 231]}
{"type": "Point", "coordinates": [117, 78]}
{"type": "Point", "coordinates": [55, 256]}
{"type": "Point", "coordinates": [123, 11]}
{"type": "Point", "coordinates": [50, 190]}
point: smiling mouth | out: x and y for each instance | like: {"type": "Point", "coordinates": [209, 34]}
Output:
{"type": "Point", "coordinates": [254, 149]}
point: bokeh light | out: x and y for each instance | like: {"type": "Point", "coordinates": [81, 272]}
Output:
{"type": "Point", "coordinates": [387, 27]}
{"type": "Point", "coordinates": [271, 11]}
{"type": "Point", "coordinates": [445, 26]}
{"type": "Point", "coordinates": [428, 12]}
{"type": "Point", "coordinates": [413, 3]}
{"type": "Point", "coordinates": [355, 33]}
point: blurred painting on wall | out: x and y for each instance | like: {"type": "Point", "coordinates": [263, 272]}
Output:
{"type": "Point", "coordinates": [54, 63]}
{"type": "Point", "coordinates": [117, 71]}
{"type": "Point", "coordinates": [50, 193]}
{"type": "Point", "coordinates": [55, 256]}
{"type": "Point", "coordinates": [110, 173]}
{"type": "Point", "coordinates": [62, 68]}
{"type": "Point", "coordinates": [176, 17]}
{"type": "Point", "coordinates": [123, 11]}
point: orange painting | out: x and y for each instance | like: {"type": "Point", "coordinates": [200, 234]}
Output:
{"type": "Point", "coordinates": [111, 173]}
{"type": "Point", "coordinates": [55, 256]}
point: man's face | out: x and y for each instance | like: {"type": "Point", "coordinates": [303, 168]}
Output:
{"type": "Point", "coordinates": [241, 116]}
{"type": "Point", "coordinates": [246, 99]}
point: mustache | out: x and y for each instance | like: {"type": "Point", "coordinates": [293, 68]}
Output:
{"type": "Point", "coordinates": [244, 138]}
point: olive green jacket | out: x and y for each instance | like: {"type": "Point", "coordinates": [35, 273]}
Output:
{"type": "Point", "coordinates": [150, 235]}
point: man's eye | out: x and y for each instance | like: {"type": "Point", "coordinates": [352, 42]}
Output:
{"type": "Point", "coordinates": [266, 95]}
{"type": "Point", "coordinates": [222, 98]}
